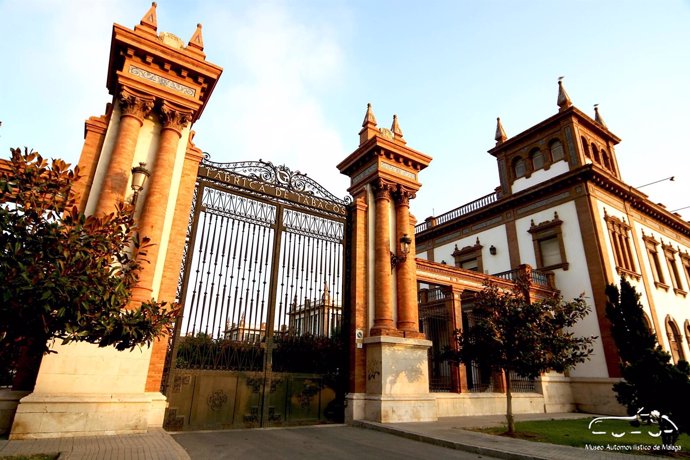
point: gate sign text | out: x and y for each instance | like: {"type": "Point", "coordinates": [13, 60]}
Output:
{"type": "Point", "coordinates": [255, 185]}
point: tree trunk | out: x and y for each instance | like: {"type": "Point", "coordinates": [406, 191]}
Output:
{"type": "Point", "coordinates": [509, 403]}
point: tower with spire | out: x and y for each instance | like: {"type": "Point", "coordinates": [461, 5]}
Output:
{"type": "Point", "coordinates": [159, 87]}
{"type": "Point", "coordinates": [563, 142]}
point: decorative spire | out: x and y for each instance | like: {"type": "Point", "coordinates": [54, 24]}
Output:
{"type": "Point", "coordinates": [500, 132]}
{"type": "Point", "coordinates": [150, 21]}
{"type": "Point", "coordinates": [369, 118]}
{"type": "Point", "coordinates": [196, 43]}
{"type": "Point", "coordinates": [598, 118]}
{"type": "Point", "coordinates": [397, 132]}
{"type": "Point", "coordinates": [369, 129]}
{"type": "Point", "coordinates": [563, 99]}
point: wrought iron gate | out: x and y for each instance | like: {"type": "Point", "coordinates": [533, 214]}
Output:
{"type": "Point", "coordinates": [260, 340]}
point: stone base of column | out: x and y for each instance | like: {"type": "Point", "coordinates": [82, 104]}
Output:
{"type": "Point", "coordinates": [397, 388]}
{"type": "Point", "coordinates": [45, 415]}
{"type": "Point", "coordinates": [9, 400]}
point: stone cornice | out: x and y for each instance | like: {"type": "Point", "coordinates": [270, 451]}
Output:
{"type": "Point", "coordinates": [172, 70]}
{"type": "Point", "coordinates": [584, 174]}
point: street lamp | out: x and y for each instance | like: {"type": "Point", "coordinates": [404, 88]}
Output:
{"type": "Point", "coordinates": [139, 176]}
{"type": "Point", "coordinates": [405, 242]}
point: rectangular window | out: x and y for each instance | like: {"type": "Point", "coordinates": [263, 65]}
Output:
{"type": "Point", "coordinates": [654, 262]}
{"type": "Point", "coordinates": [670, 255]}
{"type": "Point", "coordinates": [685, 260]}
{"type": "Point", "coordinates": [619, 235]}
{"type": "Point", "coordinates": [549, 249]}
{"type": "Point", "coordinates": [469, 257]}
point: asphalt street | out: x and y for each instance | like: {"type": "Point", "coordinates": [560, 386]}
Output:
{"type": "Point", "coordinates": [332, 442]}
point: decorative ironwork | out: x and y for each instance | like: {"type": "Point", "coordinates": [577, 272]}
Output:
{"type": "Point", "coordinates": [261, 289]}
{"type": "Point", "coordinates": [217, 400]}
{"type": "Point", "coordinates": [280, 176]}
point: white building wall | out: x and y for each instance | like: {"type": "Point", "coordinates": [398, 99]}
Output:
{"type": "Point", "coordinates": [495, 236]}
{"type": "Point", "coordinates": [571, 282]}
{"type": "Point", "coordinates": [666, 301]}
{"type": "Point", "coordinates": [540, 175]}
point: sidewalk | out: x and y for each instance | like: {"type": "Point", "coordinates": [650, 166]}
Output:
{"type": "Point", "coordinates": [452, 432]}
{"type": "Point", "coordinates": [156, 444]}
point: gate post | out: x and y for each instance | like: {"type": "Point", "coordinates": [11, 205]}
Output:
{"type": "Point", "coordinates": [389, 378]}
{"type": "Point", "coordinates": [159, 87]}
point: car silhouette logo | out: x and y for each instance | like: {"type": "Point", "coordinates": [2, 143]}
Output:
{"type": "Point", "coordinates": [668, 430]}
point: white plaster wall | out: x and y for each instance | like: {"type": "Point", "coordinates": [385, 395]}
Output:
{"type": "Point", "coordinates": [539, 176]}
{"type": "Point", "coordinates": [495, 236]}
{"type": "Point", "coordinates": [609, 254]}
{"type": "Point", "coordinates": [571, 282]}
{"type": "Point", "coordinates": [666, 302]}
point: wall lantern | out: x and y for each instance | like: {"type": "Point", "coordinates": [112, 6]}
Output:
{"type": "Point", "coordinates": [405, 242]}
{"type": "Point", "coordinates": [492, 250]}
{"type": "Point", "coordinates": [139, 176]}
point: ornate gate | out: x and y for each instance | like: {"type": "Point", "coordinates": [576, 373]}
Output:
{"type": "Point", "coordinates": [260, 340]}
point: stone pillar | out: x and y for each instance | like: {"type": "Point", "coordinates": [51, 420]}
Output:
{"type": "Point", "coordinates": [176, 243]}
{"type": "Point", "coordinates": [459, 371]}
{"type": "Point", "coordinates": [383, 308]}
{"type": "Point", "coordinates": [153, 212]}
{"type": "Point", "coordinates": [408, 311]}
{"type": "Point", "coordinates": [133, 108]}
{"type": "Point", "coordinates": [359, 303]}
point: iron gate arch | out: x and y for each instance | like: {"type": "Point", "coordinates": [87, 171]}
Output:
{"type": "Point", "coordinates": [260, 341]}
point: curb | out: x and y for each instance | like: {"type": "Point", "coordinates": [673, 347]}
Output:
{"type": "Point", "coordinates": [475, 449]}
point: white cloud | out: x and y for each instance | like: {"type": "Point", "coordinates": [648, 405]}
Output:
{"type": "Point", "coordinates": [267, 105]}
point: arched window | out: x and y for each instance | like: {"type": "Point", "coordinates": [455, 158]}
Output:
{"type": "Point", "coordinates": [556, 149]}
{"type": "Point", "coordinates": [687, 332]}
{"type": "Point", "coordinates": [519, 168]}
{"type": "Point", "coordinates": [585, 148]}
{"type": "Point", "coordinates": [537, 159]}
{"type": "Point", "coordinates": [595, 154]}
{"type": "Point", "coordinates": [605, 157]}
{"type": "Point", "coordinates": [674, 340]}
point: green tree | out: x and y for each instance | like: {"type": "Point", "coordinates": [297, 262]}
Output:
{"type": "Point", "coordinates": [512, 334]}
{"type": "Point", "coordinates": [651, 380]}
{"type": "Point", "coordinates": [65, 276]}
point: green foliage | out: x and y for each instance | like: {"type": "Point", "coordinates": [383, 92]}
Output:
{"type": "Point", "coordinates": [65, 275]}
{"type": "Point", "coordinates": [529, 338]}
{"type": "Point", "coordinates": [510, 333]}
{"type": "Point", "coordinates": [651, 380]}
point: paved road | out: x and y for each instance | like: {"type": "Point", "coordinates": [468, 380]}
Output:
{"type": "Point", "coordinates": [332, 442]}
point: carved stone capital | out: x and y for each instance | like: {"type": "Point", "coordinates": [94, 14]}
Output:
{"type": "Point", "coordinates": [402, 196]}
{"type": "Point", "coordinates": [383, 189]}
{"type": "Point", "coordinates": [173, 118]}
{"type": "Point", "coordinates": [134, 105]}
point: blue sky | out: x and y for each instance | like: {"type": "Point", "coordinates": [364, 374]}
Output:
{"type": "Point", "coordinates": [298, 75]}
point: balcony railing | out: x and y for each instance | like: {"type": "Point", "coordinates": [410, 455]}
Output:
{"type": "Point", "coordinates": [539, 277]}
{"type": "Point", "coordinates": [457, 212]}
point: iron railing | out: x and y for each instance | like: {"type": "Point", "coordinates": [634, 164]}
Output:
{"type": "Point", "coordinates": [457, 212]}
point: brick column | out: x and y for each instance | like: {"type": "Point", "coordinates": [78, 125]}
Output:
{"type": "Point", "coordinates": [155, 206]}
{"type": "Point", "coordinates": [383, 293]}
{"type": "Point", "coordinates": [133, 109]}
{"type": "Point", "coordinates": [408, 313]}
{"type": "Point", "coordinates": [359, 294]}
{"type": "Point", "coordinates": [173, 257]}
